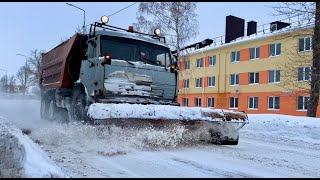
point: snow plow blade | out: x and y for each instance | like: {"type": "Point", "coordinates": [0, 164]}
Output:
{"type": "Point", "coordinates": [216, 125]}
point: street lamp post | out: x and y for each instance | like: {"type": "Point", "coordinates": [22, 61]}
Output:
{"type": "Point", "coordinates": [25, 72]}
{"type": "Point", "coordinates": [84, 17]}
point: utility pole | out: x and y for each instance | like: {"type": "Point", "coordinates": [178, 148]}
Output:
{"type": "Point", "coordinates": [84, 17]}
{"type": "Point", "coordinates": [25, 73]}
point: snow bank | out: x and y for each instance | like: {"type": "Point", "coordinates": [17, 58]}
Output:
{"type": "Point", "coordinates": [139, 111]}
{"type": "Point", "coordinates": [21, 157]}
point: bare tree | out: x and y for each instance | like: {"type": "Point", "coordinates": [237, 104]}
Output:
{"type": "Point", "coordinates": [34, 64]}
{"type": "Point", "coordinates": [307, 11]}
{"type": "Point", "coordinates": [12, 83]}
{"type": "Point", "coordinates": [24, 77]}
{"type": "Point", "coordinates": [176, 20]}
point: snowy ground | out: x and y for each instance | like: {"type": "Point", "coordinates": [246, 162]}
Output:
{"type": "Point", "coordinates": [269, 146]}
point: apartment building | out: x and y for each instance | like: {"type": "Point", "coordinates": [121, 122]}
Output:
{"type": "Point", "coordinates": [256, 73]}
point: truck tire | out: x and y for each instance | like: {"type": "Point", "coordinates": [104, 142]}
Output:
{"type": "Point", "coordinates": [217, 138]}
{"type": "Point", "coordinates": [78, 109]}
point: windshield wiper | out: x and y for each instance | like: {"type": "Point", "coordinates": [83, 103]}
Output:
{"type": "Point", "coordinates": [129, 62]}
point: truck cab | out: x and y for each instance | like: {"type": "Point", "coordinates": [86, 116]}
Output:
{"type": "Point", "coordinates": [124, 66]}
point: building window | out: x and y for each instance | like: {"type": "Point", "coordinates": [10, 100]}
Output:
{"type": "Point", "coordinates": [304, 73]}
{"type": "Point", "coordinates": [212, 60]}
{"type": "Point", "coordinates": [253, 102]}
{"type": "Point", "coordinates": [211, 102]}
{"type": "Point", "coordinates": [185, 102]}
{"type": "Point", "coordinates": [197, 102]}
{"type": "Point", "coordinates": [234, 79]}
{"type": "Point", "coordinates": [187, 64]}
{"type": "Point", "coordinates": [303, 102]}
{"type": "Point", "coordinates": [254, 53]}
{"type": "Point", "coordinates": [275, 49]}
{"type": "Point", "coordinates": [274, 102]}
{"type": "Point", "coordinates": [274, 76]}
{"type": "Point", "coordinates": [211, 81]}
{"type": "Point", "coordinates": [235, 56]}
{"type": "Point", "coordinates": [200, 62]}
{"type": "Point", "coordinates": [198, 82]}
{"type": "Point", "coordinates": [305, 44]}
{"type": "Point", "coordinates": [186, 83]}
{"type": "Point", "coordinates": [233, 102]}
{"type": "Point", "coordinates": [254, 78]}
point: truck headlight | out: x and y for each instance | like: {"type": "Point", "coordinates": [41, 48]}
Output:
{"type": "Point", "coordinates": [104, 19]}
{"type": "Point", "coordinates": [157, 32]}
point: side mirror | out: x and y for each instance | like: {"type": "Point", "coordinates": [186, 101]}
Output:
{"type": "Point", "coordinates": [106, 59]}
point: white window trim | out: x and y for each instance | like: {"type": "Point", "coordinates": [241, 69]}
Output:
{"type": "Point", "coordinates": [255, 54]}
{"type": "Point", "coordinates": [304, 44]}
{"type": "Point", "coordinates": [235, 80]}
{"type": "Point", "coordinates": [273, 103]}
{"type": "Point", "coordinates": [233, 103]}
{"type": "Point", "coordinates": [303, 103]}
{"type": "Point", "coordinates": [274, 75]}
{"type": "Point", "coordinates": [255, 83]}
{"type": "Point", "coordinates": [236, 61]}
{"type": "Point", "coordinates": [304, 75]}
{"type": "Point", "coordinates": [201, 63]}
{"type": "Point", "coordinates": [275, 48]}
{"type": "Point", "coordinates": [209, 61]}
{"type": "Point", "coordinates": [201, 84]}
{"type": "Point", "coordinates": [214, 82]}
{"type": "Point", "coordinates": [196, 104]}
{"type": "Point", "coordinates": [185, 83]}
{"type": "Point", "coordinates": [208, 102]}
{"type": "Point", "coordinates": [253, 102]}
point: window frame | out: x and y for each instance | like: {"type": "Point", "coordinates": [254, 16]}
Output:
{"type": "Point", "coordinates": [274, 76]}
{"type": "Point", "coordinates": [211, 59]}
{"type": "Point", "coordinates": [183, 102]}
{"type": "Point", "coordinates": [235, 79]}
{"type": "Point", "coordinates": [304, 105]}
{"type": "Point", "coordinates": [304, 74]}
{"type": "Point", "coordinates": [237, 57]}
{"type": "Point", "coordinates": [212, 101]}
{"type": "Point", "coordinates": [253, 102]}
{"type": "Point", "coordinates": [255, 53]}
{"type": "Point", "coordinates": [201, 83]}
{"type": "Point", "coordinates": [304, 44]}
{"type": "Point", "coordinates": [234, 102]}
{"type": "Point", "coordinates": [184, 84]}
{"type": "Point", "coordinates": [254, 78]}
{"type": "Point", "coordinates": [187, 64]}
{"type": "Point", "coordinates": [212, 78]}
{"type": "Point", "coordinates": [275, 49]}
{"type": "Point", "coordinates": [196, 101]}
{"type": "Point", "coordinates": [274, 102]}
{"type": "Point", "coordinates": [201, 60]}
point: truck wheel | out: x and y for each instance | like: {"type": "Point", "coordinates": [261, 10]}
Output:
{"type": "Point", "coordinates": [78, 109]}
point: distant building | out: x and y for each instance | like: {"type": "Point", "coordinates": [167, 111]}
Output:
{"type": "Point", "coordinates": [264, 71]}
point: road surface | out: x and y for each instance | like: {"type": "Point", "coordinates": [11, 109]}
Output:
{"type": "Point", "coordinates": [266, 148]}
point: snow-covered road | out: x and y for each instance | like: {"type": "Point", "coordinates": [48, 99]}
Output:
{"type": "Point", "coordinates": [269, 146]}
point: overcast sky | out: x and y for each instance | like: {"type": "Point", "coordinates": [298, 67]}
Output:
{"type": "Point", "coordinates": [28, 26]}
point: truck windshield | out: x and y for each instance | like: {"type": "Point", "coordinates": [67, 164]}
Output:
{"type": "Point", "coordinates": [135, 50]}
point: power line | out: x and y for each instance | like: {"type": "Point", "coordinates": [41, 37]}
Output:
{"type": "Point", "coordinates": [123, 9]}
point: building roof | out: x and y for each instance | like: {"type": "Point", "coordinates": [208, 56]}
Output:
{"type": "Point", "coordinates": [257, 36]}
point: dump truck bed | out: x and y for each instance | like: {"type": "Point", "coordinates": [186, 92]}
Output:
{"type": "Point", "coordinates": [61, 66]}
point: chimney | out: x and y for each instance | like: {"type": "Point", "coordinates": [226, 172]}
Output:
{"type": "Point", "coordinates": [251, 27]}
{"type": "Point", "coordinates": [234, 28]}
{"type": "Point", "coordinates": [276, 25]}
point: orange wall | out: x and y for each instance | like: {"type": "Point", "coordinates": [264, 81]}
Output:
{"type": "Point", "coordinates": [288, 103]}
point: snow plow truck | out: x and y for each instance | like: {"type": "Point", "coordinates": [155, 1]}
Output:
{"type": "Point", "coordinates": [126, 78]}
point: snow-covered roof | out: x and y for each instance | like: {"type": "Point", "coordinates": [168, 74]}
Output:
{"type": "Point", "coordinates": [257, 36]}
{"type": "Point", "coordinates": [131, 36]}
